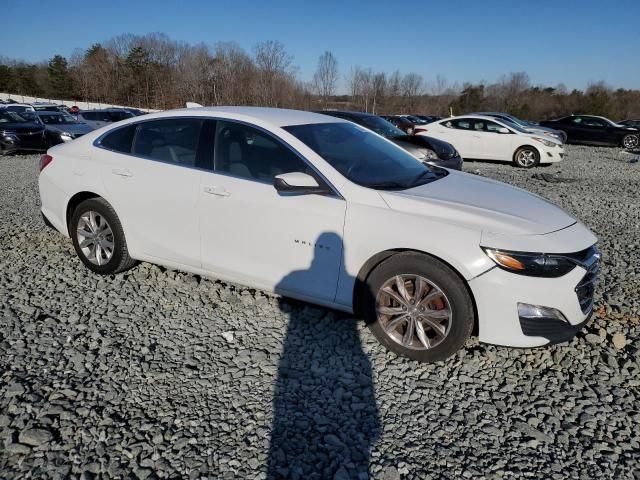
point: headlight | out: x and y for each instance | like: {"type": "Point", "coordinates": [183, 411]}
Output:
{"type": "Point", "coordinates": [66, 137]}
{"type": "Point", "coordinates": [10, 137]}
{"type": "Point", "coordinates": [531, 264]}
{"type": "Point", "coordinates": [545, 141]}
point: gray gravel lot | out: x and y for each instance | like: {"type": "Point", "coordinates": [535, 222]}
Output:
{"type": "Point", "coordinates": [160, 374]}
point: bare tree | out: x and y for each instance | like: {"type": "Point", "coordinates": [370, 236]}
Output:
{"type": "Point", "coordinates": [325, 79]}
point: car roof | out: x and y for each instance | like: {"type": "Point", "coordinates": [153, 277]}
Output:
{"type": "Point", "coordinates": [280, 117]}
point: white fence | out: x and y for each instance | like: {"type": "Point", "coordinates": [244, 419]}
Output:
{"type": "Point", "coordinates": [69, 103]}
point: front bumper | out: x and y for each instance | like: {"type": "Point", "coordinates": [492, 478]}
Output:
{"type": "Point", "coordinates": [32, 145]}
{"type": "Point", "coordinates": [454, 163]}
{"type": "Point", "coordinates": [552, 155]}
{"type": "Point", "coordinates": [498, 293]}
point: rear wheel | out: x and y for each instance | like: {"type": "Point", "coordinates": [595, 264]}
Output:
{"type": "Point", "coordinates": [98, 237]}
{"type": "Point", "coordinates": [418, 307]}
{"type": "Point", "coordinates": [526, 157]}
{"type": "Point", "coordinates": [630, 142]}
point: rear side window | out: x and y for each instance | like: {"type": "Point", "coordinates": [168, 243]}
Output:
{"type": "Point", "coordinates": [173, 140]}
{"type": "Point", "coordinates": [119, 140]}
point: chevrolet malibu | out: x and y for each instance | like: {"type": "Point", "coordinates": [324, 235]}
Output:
{"type": "Point", "coordinates": [322, 210]}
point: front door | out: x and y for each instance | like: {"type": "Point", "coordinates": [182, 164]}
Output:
{"type": "Point", "coordinates": [291, 244]}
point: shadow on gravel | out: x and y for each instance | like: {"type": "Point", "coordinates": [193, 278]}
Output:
{"type": "Point", "coordinates": [325, 418]}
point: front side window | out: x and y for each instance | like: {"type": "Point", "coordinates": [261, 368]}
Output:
{"type": "Point", "coordinates": [246, 152]}
{"type": "Point", "coordinates": [365, 158]}
{"type": "Point", "coordinates": [117, 116]}
{"type": "Point", "coordinates": [172, 140]}
{"type": "Point", "coordinates": [593, 122]}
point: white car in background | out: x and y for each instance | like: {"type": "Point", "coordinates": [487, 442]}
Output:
{"type": "Point", "coordinates": [323, 210]}
{"type": "Point", "coordinates": [487, 138]}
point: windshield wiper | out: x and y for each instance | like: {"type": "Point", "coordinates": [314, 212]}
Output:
{"type": "Point", "coordinates": [390, 185]}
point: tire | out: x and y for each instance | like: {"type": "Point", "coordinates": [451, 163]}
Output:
{"type": "Point", "coordinates": [564, 136]}
{"type": "Point", "coordinates": [526, 157]}
{"type": "Point", "coordinates": [444, 292]}
{"type": "Point", "coordinates": [630, 142]}
{"type": "Point", "coordinates": [89, 217]}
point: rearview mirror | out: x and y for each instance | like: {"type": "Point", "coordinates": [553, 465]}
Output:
{"type": "Point", "coordinates": [297, 182]}
{"type": "Point", "coordinates": [503, 130]}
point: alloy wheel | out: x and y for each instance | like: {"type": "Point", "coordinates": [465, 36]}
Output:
{"type": "Point", "coordinates": [631, 141]}
{"type": "Point", "coordinates": [526, 158]}
{"type": "Point", "coordinates": [95, 238]}
{"type": "Point", "coordinates": [413, 312]}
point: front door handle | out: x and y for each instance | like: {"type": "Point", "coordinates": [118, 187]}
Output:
{"type": "Point", "coordinates": [217, 191]}
{"type": "Point", "coordinates": [122, 172]}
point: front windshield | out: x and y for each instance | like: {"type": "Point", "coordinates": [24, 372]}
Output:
{"type": "Point", "coordinates": [56, 118]}
{"type": "Point", "coordinates": [380, 126]}
{"type": "Point", "coordinates": [7, 116]}
{"type": "Point", "coordinates": [365, 158]}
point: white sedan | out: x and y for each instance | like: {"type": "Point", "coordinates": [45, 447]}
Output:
{"type": "Point", "coordinates": [320, 209]}
{"type": "Point", "coordinates": [488, 138]}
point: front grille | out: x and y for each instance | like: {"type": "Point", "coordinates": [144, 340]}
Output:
{"type": "Point", "coordinates": [587, 286]}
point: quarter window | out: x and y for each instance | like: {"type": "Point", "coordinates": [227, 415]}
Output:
{"type": "Point", "coordinates": [246, 152]}
{"type": "Point", "coordinates": [119, 140]}
{"type": "Point", "coordinates": [174, 140]}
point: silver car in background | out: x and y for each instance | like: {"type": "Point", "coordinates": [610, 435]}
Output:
{"type": "Point", "coordinates": [528, 126]}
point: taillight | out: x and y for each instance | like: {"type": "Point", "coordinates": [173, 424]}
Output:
{"type": "Point", "coordinates": [45, 160]}
{"type": "Point", "coordinates": [420, 129]}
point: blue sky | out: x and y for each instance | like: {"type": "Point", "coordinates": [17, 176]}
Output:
{"type": "Point", "coordinates": [573, 42]}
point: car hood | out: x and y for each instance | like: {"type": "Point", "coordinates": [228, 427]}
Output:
{"type": "Point", "coordinates": [443, 149]}
{"type": "Point", "coordinates": [75, 128]}
{"type": "Point", "coordinates": [481, 204]}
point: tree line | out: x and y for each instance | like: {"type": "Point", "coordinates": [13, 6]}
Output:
{"type": "Point", "coordinates": [154, 71]}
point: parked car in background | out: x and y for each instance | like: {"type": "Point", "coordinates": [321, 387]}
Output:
{"type": "Point", "coordinates": [49, 107]}
{"type": "Point", "coordinates": [320, 209]}
{"type": "Point", "coordinates": [402, 123]}
{"type": "Point", "coordinates": [18, 107]}
{"type": "Point", "coordinates": [487, 138]}
{"type": "Point", "coordinates": [595, 130]}
{"type": "Point", "coordinates": [428, 118]}
{"type": "Point", "coordinates": [135, 111]}
{"type": "Point", "coordinates": [425, 149]}
{"type": "Point", "coordinates": [634, 123]}
{"type": "Point", "coordinates": [20, 133]}
{"type": "Point", "coordinates": [528, 126]}
{"type": "Point", "coordinates": [62, 127]}
{"type": "Point", "coordinates": [100, 117]}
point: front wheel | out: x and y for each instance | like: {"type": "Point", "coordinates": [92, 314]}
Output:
{"type": "Point", "coordinates": [526, 157]}
{"type": "Point", "coordinates": [418, 307]}
{"type": "Point", "coordinates": [98, 237]}
{"type": "Point", "coordinates": [630, 142]}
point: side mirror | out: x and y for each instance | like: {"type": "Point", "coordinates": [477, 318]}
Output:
{"type": "Point", "coordinates": [297, 182]}
{"type": "Point", "coordinates": [503, 130]}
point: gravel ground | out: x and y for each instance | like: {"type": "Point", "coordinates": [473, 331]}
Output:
{"type": "Point", "coordinates": [160, 374]}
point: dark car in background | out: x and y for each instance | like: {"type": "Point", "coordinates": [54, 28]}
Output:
{"type": "Point", "coordinates": [61, 127]}
{"type": "Point", "coordinates": [20, 132]}
{"type": "Point", "coordinates": [428, 118]}
{"type": "Point", "coordinates": [595, 130]}
{"type": "Point", "coordinates": [632, 122]}
{"type": "Point", "coordinates": [135, 111]}
{"type": "Point", "coordinates": [426, 149]}
{"type": "Point", "coordinates": [401, 122]}
{"type": "Point", "coordinates": [100, 117]}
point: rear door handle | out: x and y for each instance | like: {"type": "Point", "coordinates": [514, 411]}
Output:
{"type": "Point", "coordinates": [217, 191]}
{"type": "Point", "coordinates": [122, 172]}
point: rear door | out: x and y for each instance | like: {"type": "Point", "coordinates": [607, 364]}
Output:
{"type": "Point", "coordinates": [459, 132]}
{"type": "Point", "coordinates": [152, 177]}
